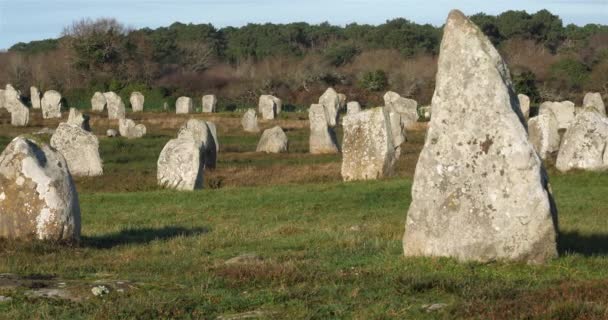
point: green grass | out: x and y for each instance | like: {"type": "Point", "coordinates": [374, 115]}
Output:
{"type": "Point", "coordinates": [330, 251]}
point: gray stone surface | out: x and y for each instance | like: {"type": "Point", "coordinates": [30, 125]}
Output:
{"type": "Point", "coordinates": [322, 138]}
{"type": "Point", "coordinates": [209, 103]}
{"type": "Point", "coordinates": [116, 108]}
{"type": "Point", "coordinates": [20, 114]}
{"type": "Point", "coordinates": [594, 99]}
{"type": "Point", "coordinates": [51, 104]}
{"type": "Point", "coordinates": [35, 98]}
{"type": "Point", "coordinates": [584, 144]}
{"type": "Point", "coordinates": [80, 149]}
{"type": "Point", "coordinates": [267, 107]}
{"type": "Point", "coordinates": [368, 152]}
{"type": "Point", "coordinates": [75, 117]}
{"type": "Point", "coordinates": [397, 131]}
{"type": "Point", "coordinates": [130, 130]}
{"type": "Point", "coordinates": [2, 106]}
{"type": "Point", "coordinates": [524, 105]}
{"type": "Point", "coordinates": [98, 102]}
{"type": "Point", "coordinates": [341, 101]}
{"type": "Point", "coordinates": [204, 133]}
{"type": "Point", "coordinates": [564, 112]}
{"type": "Point", "coordinates": [250, 121]}
{"type": "Point", "coordinates": [330, 100]}
{"type": "Point", "coordinates": [180, 165]}
{"type": "Point", "coordinates": [480, 191]}
{"type": "Point", "coordinates": [38, 199]}
{"type": "Point", "coordinates": [407, 108]}
{"type": "Point", "coordinates": [184, 105]}
{"type": "Point", "coordinates": [137, 101]}
{"type": "Point", "coordinates": [273, 140]}
{"type": "Point", "coordinates": [543, 133]}
{"type": "Point", "coordinates": [112, 133]}
{"type": "Point", "coordinates": [353, 107]}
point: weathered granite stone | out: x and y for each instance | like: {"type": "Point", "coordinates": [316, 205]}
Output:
{"type": "Point", "coordinates": [51, 104]}
{"type": "Point", "coordinates": [267, 106]}
{"type": "Point", "coordinates": [480, 191]}
{"type": "Point", "coordinates": [38, 199]}
{"type": "Point", "coordinates": [330, 100]}
{"type": "Point", "coordinates": [368, 152]}
{"type": "Point", "coordinates": [273, 140]}
{"type": "Point", "coordinates": [397, 131]}
{"type": "Point", "coordinates": [209, 103]}
{"type": "Point", "coordinates": [564, 112]}
{"type": "Point", "coordinates": [137, 101]}
{"type": "Point", "coordinates": [98, 102]}
{"type": "Point", "coordinates": [341, 101]}
{"type": "Point", "coordinates": [35, 98]}
{"type": "Point", "coordinates": [111, 133]}
{"type": "Point", "coordinates": [407, 108]}
{"type": "Point", "coordinates": [184, 105]}
{"type": "Point", "coordinates": [594, 99]}
{"type": "Point", "coordinates": [353, 107]}
{"type": "Point", "coordinates": [78, 119]}
{"type": "Point", "coordinates": [584, 144]}
{"type": "Point", "coordinates": [250, 121]}
{"type": "Point", "coordinates": [180, 165]}
{"type": "Point", "coordinates": [2, 106]}
{"type": "Point", "coordinates": [20, 114]}
{"type": "Point", "coordinates": [80, 149]}
{"type": "Point", "coordinates": [12, 97]}
{"type": "Point", "coordinates": [205, 133]}
{"type": "Point", "coordinates": [524, 105]}
{"type": "Point", "coordinates": [116, 108]}
{"type": "Point", "coordinates": [322, 138]}
{"type": "Point", "coordinates": [543, 133]}
{"type": "Point", "coordinates": [130, 130]}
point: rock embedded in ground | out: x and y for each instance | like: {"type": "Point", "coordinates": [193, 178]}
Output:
{"type": "Point", "coordinates": [268, 107]}
{"type": "Point", "coordinates": [80, 149]}
{"type": "Point", "coordinates": [137, 101]}
{"type": "Point", "coordinates": [204, 133]}
{"type": "Point", "coordinates": [322, 138]}
{"type": "Point", "coordinates": [330, 100]}
{"type": "Point", "coordinates": [38, 199]}
{"type": "Point", "coordinates": [116, 108]}
{"type": "Point", "coordinates": [480, 191]}
{"type": "Point", "coordinates": [543, 132]}
{"type": "Point", "coordinates": [407, 108]}
{"type": "Point", "coordinates": [273, 140]}
{"type": "Point", "coordinates": [181, 165]}
{"type": "Point", "coordinates": [584, 144]}
{"type": "Point", "coordinates": [75, 117]}
{"type": "Point", "coordinates": [209, 103]}
{"type": "Point", "coordinates": [249, 122]}
{"type": "Point", "coordinates": [564, 112]}
{"type": "Point", "coordinates": [353, 107]}
{"type": "Point", "coordinates": [130, 130]}
{"type": "Point", "coordinates": [594, 99]}
{"type": "Point", "coordinates": [184, 105]}
{"type": "Point", "coordinates": [20, 114]}
{"type": "Point", "coordinates": [51, 104]}
{"type": "Point", "coordinates": [35, 98]}
{"type": "Point", "coordinates": [368, 152]}
{"type": "Point", "coordinates": [98, 102]}
{"type": "Point", "coordinates": [111, 133]}
{"type": "Point", "coordinates": [524, 105]}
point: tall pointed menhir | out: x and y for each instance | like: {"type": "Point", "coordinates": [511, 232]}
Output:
{"type": "Point", "coordinates": [480, 190]}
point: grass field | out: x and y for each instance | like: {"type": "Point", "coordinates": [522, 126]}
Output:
{"type": "Point", "coordinates": [311, 247]}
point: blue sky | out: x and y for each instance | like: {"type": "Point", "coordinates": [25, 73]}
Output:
{"type": "Point", "coordinates": [26, 20]}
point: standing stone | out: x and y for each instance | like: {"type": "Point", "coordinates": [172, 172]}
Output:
{"type": "Point", "coordinates": [20, 114]}
{"type": "Point", "coordinates": [322, 138]}
{"type": "Point", "coordinates": [78, 119]}
{"type": "Point", "coordinates": [278, 104]}
{"type": "Point", "coordinates": [98, 102]}
{"type": "Point", "coordinates": [368, 152]}
{"type": "Point", "coordinates": [250, 121]}
{"type": "Point", "coordinates": [165, 106]}
{"type": "Point", "coordinates": [51, 104]}
{"type": "Point", "coordinates": [205, 134]}
{"type": "Point", "coordinates": [184, 105]}
{"type": "Point", "coordinates": [353, 107]}
{"type": "Point", "coordinates": [398, 132]}
{"type": "Point", "coordinates": [111, 133]}
{"type": "Point", "coordinates": [273, 141]}
{"type": "Point", "coordinates": [330, 100]}
{"type": "Point", "coordinates": [564, 112]}
{"type": "Point", "coordinates": [35, 98]}
{"type": "Point", "coordinates": [180, 165]}
{"type": "Point", "coordinates": [594, 99]}
{"type": "Point", "coordinates": [584, 144]}
{"type": "Point", "coordinates": [524, 105]}
{"type": "Point", "coordinates": [209, 103]}
{"type": "Point", "coordinates": [267, 107]}
{"type": "Point", "coordinates": [543, 132]}
{"type": "Point", "coordinates": [80, 149]}
{"type": "Point", "coordinates": [137, 101]}
{"type": "Point", "coordinates": [116, 108]}
{"type": "Point", "coordinates": [2, 106]}
{"type": "Point", "coordinates": [38, 199]}
{"type": "Point", "coordinates": [130, 130]}
{"type": "Point", "coordinates": [407, 108]}
{"type": "Point", "coordinates": [480, 191]}
{"type": "Point", "coordinates": [341, 101]}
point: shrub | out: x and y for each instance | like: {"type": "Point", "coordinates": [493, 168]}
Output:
{"type": "Point", "coordinates": [524, 82]}
{"type": "Point", "coordinates": [570, 73]}
{"type": "Point", "coordinates": [374, 80]}
{"type": "Point", "coordinates": [340, 55]}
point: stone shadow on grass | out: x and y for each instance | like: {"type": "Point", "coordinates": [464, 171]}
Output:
{"type": "Point", "coordinates": [587, 245]}
{"type": "Point", "coordinates": [139, 236]}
